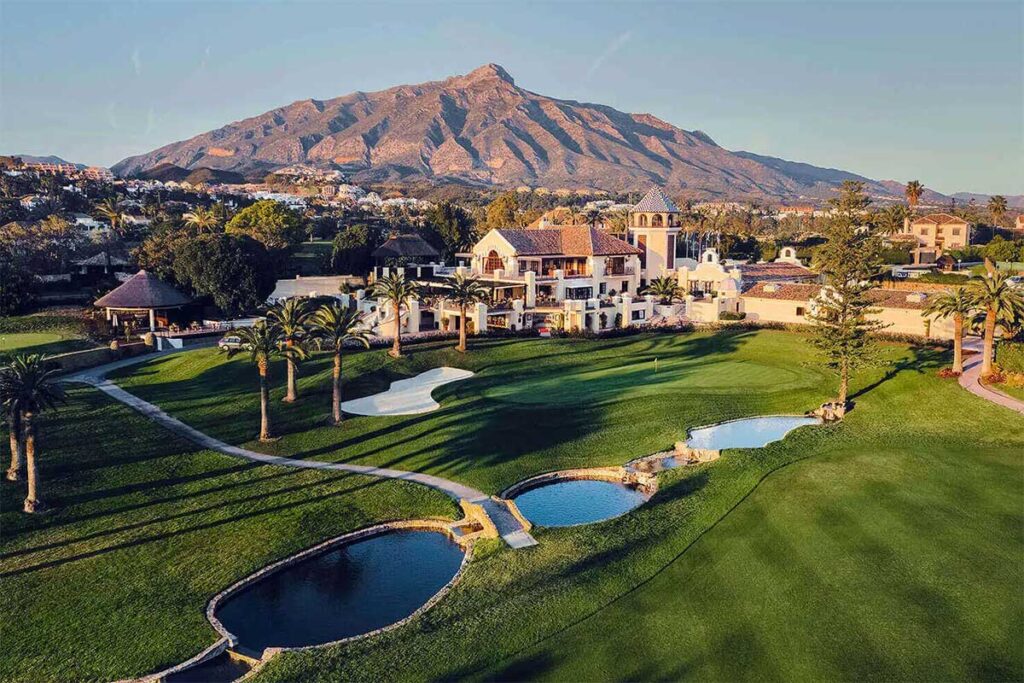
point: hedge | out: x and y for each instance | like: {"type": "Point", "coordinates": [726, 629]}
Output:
{"type": "Point", "coordinates": [1010, 356]}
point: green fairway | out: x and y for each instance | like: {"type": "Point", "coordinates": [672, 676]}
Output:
{"type": "Point", "coordinates": [619, 408]}
{"type": "Point", "coordinates": [48, 334]}
{"type": "Point", "coordinates": [114, 583]}
{"type": "Point", "coordinates": [890, 546]}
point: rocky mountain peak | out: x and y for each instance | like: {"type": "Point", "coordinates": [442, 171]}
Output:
{"type": "Point", "coordinates": [488, 72]}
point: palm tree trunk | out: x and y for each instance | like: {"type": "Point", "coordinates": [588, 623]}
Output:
{"type": "Point", "coordinates": [990, 342]}
{"type": "Point", "coordinates": [32, 501]}
{"type": "Point", "coordinates": [292, 392]}
{"type": "Point", "coordinates": [958, 344]}
{"type": "Point", "coordinates": [396, 347]}
{"type": "Point", "coordinates": [462, 331]}
{"type": "Point", "coordinates": [264, 403]}
{"type": "Point", "coordinates": [336, 397]}
{"type": "Point", "coordinates": [17, 451]}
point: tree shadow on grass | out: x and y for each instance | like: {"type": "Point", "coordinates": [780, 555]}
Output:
{"type": "Point", "coordinates": [923, 358]}
{"type": "Point", "coordinates": [162, 536]}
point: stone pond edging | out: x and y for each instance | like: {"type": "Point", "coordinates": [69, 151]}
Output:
{"type": "Point", "coordinates": [617, 474]}
{"type": "Point", "coordinates": [228, 640]}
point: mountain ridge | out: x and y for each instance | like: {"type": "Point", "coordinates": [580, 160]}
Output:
{"type": "Point", "coordinates": [482, 129]}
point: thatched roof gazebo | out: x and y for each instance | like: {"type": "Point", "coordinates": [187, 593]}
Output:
{"type": "Point", "coordinates": [404, 248]}
{"type": "Point", "coordinates": [142, 292]}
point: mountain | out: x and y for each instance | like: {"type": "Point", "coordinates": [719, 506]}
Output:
{"type": "Point", "coordinates": [166, 172]}
{"type": "Point", "coordinates": [47, 159]}
{"type": "Point", "coordinates": [481, 129]}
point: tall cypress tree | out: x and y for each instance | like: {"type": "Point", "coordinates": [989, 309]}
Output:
{"type": "Point", "coordinates": [847, 260]}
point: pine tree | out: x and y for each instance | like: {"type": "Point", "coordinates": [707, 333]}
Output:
{"type": "Point", "coordinates": [847, 260]}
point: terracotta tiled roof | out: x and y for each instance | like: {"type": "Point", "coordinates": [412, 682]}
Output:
{"type": "Point", "coordinates": [655, 201]}
{"type": "Point", "coordinates": [938, 219]}
{"type": "Point", "coordinates": [405, 245]}
{"type": "Point", "coordinates": [143, 290]}
{"type": "Point", "coordinates": [577, 240]}
{"type": "Point", "coordinates": [759, 272]}
{"type": "Point", "coordinates": [783, 291]}
{"type": "Point", "coordinates": [883, 298]}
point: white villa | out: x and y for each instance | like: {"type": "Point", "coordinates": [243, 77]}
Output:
{"type": "Point", "coordinates": [583, 278]}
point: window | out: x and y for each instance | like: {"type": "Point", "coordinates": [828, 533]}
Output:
{"type": "Point", "coordinates": [625, 287]}
{"type": "Point", "coordinates": [656, 221]}
{"type": "Point", "coordinates": [493, 262]}
{"type": "Point", "coordinates": [641, 220]}
{"type": "Point", "coordinates": [800, 311]}
{"type": "Point", "coordinates": [670, 253]}
{"type": "Point", "coordinates": [641, 243]}
{"type": "Point", "coordinates": [639, 315]}
{"type": "Point", "coordinates": [602, 288]}
{"type": "Point", "coordinates": [956, 232]}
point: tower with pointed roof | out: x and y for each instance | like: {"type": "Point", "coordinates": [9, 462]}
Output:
{"type": "Point", "coordinates": [654, 229]}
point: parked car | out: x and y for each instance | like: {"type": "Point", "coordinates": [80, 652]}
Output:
{"type": "Point", "coordinates": [1016, 281]}
{"type": "Point", "coordinates": [230, 342]}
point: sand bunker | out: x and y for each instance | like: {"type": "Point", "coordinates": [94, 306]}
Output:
{"type": "Point", "coordinates": [406, 396]}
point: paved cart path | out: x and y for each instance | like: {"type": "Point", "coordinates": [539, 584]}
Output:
{"type": "Point", "coordinates": [508, 526]}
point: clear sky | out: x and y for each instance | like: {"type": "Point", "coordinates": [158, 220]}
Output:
{"type": "Point", "coordinates": [933, 91]}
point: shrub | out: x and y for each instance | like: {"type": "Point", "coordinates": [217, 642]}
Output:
{"type": "Point", "coordinates": [947, 373]}
{"type": "Point", "coordinates": [731, 315]}
{"type": "Point", "coordinates": [1010, 356]}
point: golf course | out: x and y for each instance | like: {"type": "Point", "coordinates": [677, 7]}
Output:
{"type": "Point", "coordinates": [887, 546]}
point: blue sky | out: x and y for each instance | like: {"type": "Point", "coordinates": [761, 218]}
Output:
{"type": "Point", "coordinates": [924, 90]}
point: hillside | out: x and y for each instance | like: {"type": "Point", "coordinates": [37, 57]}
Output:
{"type": "Point", "coordinates": [481, 129]}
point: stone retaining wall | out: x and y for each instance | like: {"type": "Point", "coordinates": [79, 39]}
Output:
{"type": "Point", "coordinates": [617, 474]}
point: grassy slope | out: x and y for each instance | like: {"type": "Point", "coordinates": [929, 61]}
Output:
{"type": "Point", "coordinates": [890, 549]}
{"type": "Point", "coordinates": [534, 406]}
{"type": "Point", "coordinates": [114, 583]}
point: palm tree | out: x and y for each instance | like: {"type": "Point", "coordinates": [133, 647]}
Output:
{"type": "Point", "coordinates": [889, 220]}
{"type": "Point", "coordinates": [202, 219]}
{"type": "Point", "coordinates": [959, 304]}
{"type": "Point", "coordinates": [333, 325]}
{"type": "Point", "coordinates": [997, 207]}
{"type": "Point", "coordinates": [913, 191]}
{"type": "Point", "coordinates": [110, 210]}
{"type": "Point", "coordinates": [13, 424]}
{"type": "Point", "coordinates": [290, 318]}
{"type": "Point", "coordinates": [666, 288]}
{"type": "Point", "coordinates": [398, 291]}
{"type": "Point", "coordinates": [262, 342]}
{"type": "Point", "coordinates": [30, 387]}
{"type": "Point", "coordinates": [1002, 306]}
{"type": "Point", "coordinates": [464, 292]}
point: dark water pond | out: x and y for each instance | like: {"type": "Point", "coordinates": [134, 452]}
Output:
{"type": "Point", "coordinates": [344, 592]}
{"type": "Point", "coordinates": [577, 501]}
{"type": "Point", "coordinates": [219, 669]}
{"type": "Point", "coordinates": [754, 432]}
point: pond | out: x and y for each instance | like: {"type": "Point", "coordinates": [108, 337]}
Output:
{"type": "Point", "coordinates": [347, 591]}
{"type": "Point", "coordinates": [219, 669]}
{"type": "Point", "coordinates": [754, 432]}
{"type": "Point", "coordinates": [577, 501]}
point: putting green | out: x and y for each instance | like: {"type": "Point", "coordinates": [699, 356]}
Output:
{"type": "Point", "coordinates": [639, 378]}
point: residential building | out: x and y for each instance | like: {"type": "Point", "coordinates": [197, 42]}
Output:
{"type": "Point", "coordinates": [900, 310]}
{"type": "Point", "coordinates": [934, 234]}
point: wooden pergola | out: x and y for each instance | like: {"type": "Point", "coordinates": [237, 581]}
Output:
{"type": "Point", "coordinates": [141, 293]}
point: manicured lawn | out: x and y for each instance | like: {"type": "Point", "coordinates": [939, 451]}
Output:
{"type": "Point", "coordinates": [890, 546]}
{"type": "Point", "coordinates": [114, 583]}
{"type": "Point", "coordinates": [1016, 392]}
{"type": "Point", "coordinates": [533, 406]}
{"type": "Point", "coordinates": [44, 333]}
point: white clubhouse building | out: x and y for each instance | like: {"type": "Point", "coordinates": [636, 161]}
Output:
{"type": "Point", "coordinates": [576, 277]}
